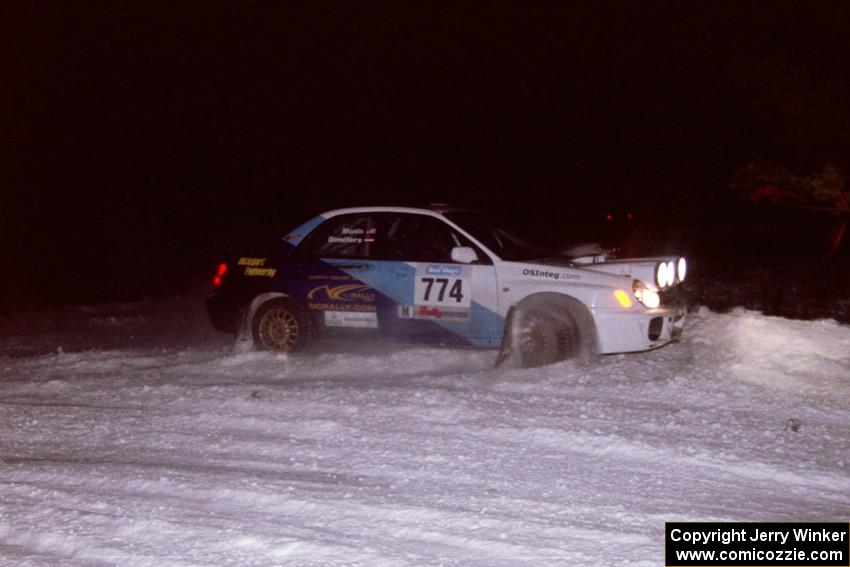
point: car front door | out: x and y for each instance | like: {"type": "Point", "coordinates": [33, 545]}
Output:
{"type": "Point", "coordinates": [428, 295]}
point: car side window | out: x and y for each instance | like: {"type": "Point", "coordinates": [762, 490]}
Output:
{"type": "Point", "coordinates": [346, 236]}
{"type": "Point", "coordinates": [420, 238]}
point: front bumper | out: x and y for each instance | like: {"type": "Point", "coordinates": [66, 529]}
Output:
{"type": "Point", "coordinates": [639, 329]}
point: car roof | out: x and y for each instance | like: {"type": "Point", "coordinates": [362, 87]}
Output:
{"type": "Point", "coordinates": [433, 209]}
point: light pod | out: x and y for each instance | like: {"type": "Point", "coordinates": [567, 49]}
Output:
{"type": "Point", "coordinates": [663, 275]}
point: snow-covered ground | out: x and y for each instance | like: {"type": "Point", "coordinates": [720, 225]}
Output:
{"type": "Point", "coordinates": [133, 435]}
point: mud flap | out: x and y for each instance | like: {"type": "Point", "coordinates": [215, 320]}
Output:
{"type": "Point", "coordinates": [244, 337]}
{"type": "Point", "coordinates": [679, 323]}
{"type": "Point", "coordinates": [506, 349]}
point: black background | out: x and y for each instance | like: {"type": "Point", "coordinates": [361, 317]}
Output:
{"type": "Point", "coordinates": [138, 139]}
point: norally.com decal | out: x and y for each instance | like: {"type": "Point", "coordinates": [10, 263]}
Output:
{"type": "Point", "coordinates": [345, 297]}
{"type": "Point", "coordinates": [443, 285]}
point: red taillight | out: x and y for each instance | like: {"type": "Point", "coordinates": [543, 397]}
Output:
{"type": "Point", "coordinates": [222, 269]}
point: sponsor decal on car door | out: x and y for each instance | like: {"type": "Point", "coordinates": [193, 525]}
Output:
{"type": "Point", "coordinates": [344, 291]}
{"type": "Point", "coordinates": [442, 291]}
{"type": "Point", "coordinates": [442, 300]}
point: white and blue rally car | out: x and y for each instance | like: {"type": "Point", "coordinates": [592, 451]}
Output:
{"type": "Point", "coordinates": [445, 275]}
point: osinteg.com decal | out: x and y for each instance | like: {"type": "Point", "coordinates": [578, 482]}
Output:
{"type": "Point", "coordinates": [537, 273]}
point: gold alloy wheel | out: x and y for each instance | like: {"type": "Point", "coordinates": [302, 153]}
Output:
{"type": "Point", "coordinates": [279, 329]}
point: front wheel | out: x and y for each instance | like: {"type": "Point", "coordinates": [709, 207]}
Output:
{"type": "Point", "coordinates": [279, 325]}
{"type": "Point", "coordinates": [542, 339]}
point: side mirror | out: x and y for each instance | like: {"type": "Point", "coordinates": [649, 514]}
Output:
{"type": "Point", "coordinates": [464, 254]}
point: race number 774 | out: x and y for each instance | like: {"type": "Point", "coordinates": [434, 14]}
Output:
{"type": "Point", "coordinates": [455, 289]}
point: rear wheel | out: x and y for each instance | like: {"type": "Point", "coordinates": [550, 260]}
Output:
{"type": "Point", "coordinates": [279, 325]}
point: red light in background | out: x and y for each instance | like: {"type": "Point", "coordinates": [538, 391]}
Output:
{"type": "Point", "coordinates": [609, 217]}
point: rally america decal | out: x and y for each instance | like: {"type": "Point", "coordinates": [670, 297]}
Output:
{"type": "Point", "coordinates": [435, 313]}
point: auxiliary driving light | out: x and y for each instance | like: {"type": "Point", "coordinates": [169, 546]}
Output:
{"type": "Point", "coordinates": [682, 269]}
{"type": "Point", "coordinates": [661, 275]}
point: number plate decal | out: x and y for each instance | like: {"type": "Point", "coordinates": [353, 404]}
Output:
{"type": "Point", "coordinates": [444, 285]}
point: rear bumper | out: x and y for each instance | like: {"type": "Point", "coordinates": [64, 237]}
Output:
{"type": "Point", "coordinates": [638, 330]}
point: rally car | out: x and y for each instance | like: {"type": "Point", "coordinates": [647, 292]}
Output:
{"type": "Point", "coordinates": [445, 275]}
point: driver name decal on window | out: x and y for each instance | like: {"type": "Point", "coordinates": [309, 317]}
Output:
{"type": "Point", "coordinates": [353, 236]}
{"type": "Point", "coordinates": [346, 236]}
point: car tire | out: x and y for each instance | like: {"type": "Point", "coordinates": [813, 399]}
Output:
{"type": "Point", "coordinates": [280, 325]}
{"type": "Point", "coordinates": [542, 339]}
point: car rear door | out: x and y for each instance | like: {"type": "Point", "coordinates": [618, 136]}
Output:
{"type": "Point", "coordinates": [335, 273]}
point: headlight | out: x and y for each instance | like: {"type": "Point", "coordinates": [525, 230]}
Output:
{"type": "Point", "coordinates": [648, 297]}
{"type": "Point", "coordinates": [663, 275]}
{"type": "Point", "coordinates": [682, 269]}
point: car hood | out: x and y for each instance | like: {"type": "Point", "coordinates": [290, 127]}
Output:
{"type": "Point", "coordinates": [637, 268]}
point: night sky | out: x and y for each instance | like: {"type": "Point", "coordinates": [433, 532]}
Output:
{"type": "Point", "coordinates": [138, 139]}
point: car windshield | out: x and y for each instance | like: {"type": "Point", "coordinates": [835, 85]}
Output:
{"type": "Point", "coordinates": [508, 244]}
